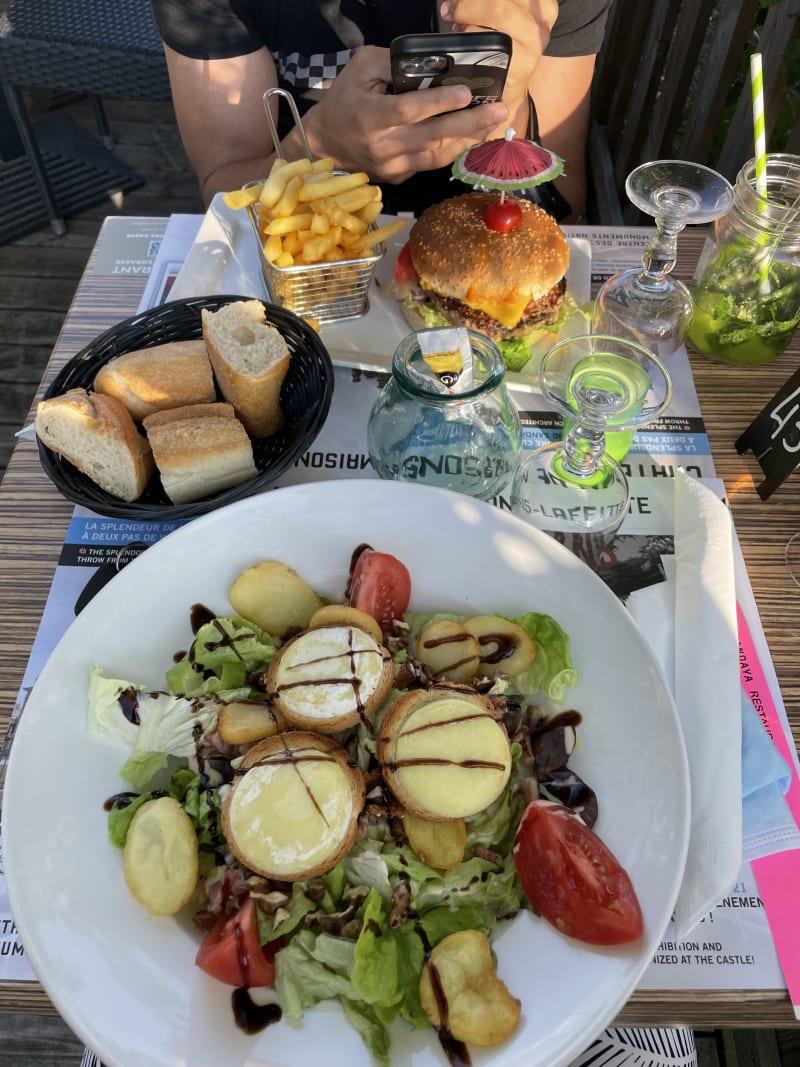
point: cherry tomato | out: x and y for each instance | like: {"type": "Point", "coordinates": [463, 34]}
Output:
{"type": "Point", "coordinates": [405, 272]}
{"type": "Point", "coordinates": [503, 217]}
{"type": "Point", "coordinates": [572, 879]}
{"type": "Point", "coordinates": [381, 586]}
{"type": "Point", "coordinates": [232, 952]}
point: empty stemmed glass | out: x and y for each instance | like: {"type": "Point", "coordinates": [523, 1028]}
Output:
{"type": "Point", "coordinates": [645, 303]}
{"type": "Point", "coordinates": [791, 554]}
{"type": "Point", "coordinates": [573, 489]}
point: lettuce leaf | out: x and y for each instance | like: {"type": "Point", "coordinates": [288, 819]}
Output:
{"type": "Point", "coordinates": [200, 804]}
{"type": "Point", "coordinates": [223, 652]}
{"type": "Point", "coordinates": [312, 968]}
{"type": "Point", "coordinates": [551, 673]}
{"type": "Point", "coordinates": [162, 723]}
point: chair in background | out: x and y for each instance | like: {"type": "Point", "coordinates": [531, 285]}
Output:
{"type": "Point", "coordinates": [672, 75]}
{"type": "Point", "coordinates": [52, 169]}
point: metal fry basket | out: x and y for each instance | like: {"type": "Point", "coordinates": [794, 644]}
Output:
{"type": "Point", "coordinates": [326, 291]}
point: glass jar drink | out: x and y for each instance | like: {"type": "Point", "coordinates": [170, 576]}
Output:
{"type": "Point", "coordinates": [746, 288]}
{"type": "Point", "coordinates": [421, 430]}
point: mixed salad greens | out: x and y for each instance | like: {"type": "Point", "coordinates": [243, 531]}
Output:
{"type": "Point", "coordinates": [361, 932]}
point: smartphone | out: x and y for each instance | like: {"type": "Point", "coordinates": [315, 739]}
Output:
{"type": "Point", "coordinates": [478, 60]}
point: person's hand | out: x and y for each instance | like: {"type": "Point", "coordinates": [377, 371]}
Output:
{"type": "Point", "coordinates": [527, 22]}
{"type": "Point", "coordinates": [392, 137]}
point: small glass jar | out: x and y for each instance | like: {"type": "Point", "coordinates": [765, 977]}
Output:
{"type": "Point", "coordinates": [746, 288]}
{"type": "Point", "coordinates": [466, 441]}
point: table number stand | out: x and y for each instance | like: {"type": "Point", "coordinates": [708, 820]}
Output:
{"type": "Point", "coordinates": [774, 437]}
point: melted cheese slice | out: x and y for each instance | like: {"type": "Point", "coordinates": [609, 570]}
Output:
{"type": "Point", "coordinates": [329, 672]}
{"type": "Point", "coordinates": [463, 754]}
{"type": "Point", "coordinates": [508, 311]}
{"type": "Point", "coordinates": [288, 818]}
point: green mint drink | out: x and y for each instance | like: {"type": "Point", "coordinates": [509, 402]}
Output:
{"type": "Point", "coordinates": [734, 320]}
{"type": "Point", "coordinates": [746, 289]}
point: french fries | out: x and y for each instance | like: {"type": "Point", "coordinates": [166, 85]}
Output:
{"type": "Point", "coordinates": [307, 214]}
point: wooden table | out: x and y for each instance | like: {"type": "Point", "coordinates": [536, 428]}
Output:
{"type": "Point", "coordinates": [34, 519]}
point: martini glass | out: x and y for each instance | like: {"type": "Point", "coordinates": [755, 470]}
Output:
{"type": "Point", "coordinates": [645, 303]}
{"type": "Point", "coordinates": [573, 489]}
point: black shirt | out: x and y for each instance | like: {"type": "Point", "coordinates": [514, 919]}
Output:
{"type": "Point", "coordinates": [311, 42]}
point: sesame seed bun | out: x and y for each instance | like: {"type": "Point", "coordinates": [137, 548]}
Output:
{"type": "Point", "coordinates": [457, 255]}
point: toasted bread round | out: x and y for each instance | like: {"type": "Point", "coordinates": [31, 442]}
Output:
{"type": "Point", "coordinates": [293, 810]}
{"type": "Point", "coordinates": [443, 752]}
{"type": "Point", "coordinates": [330, 678]}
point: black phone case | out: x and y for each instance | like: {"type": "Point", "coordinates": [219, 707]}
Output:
{"type": "Point", "coordinates": [478, 60]}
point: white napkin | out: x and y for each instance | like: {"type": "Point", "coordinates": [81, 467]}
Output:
{"type": "Point", "coordinates": [695, 637]}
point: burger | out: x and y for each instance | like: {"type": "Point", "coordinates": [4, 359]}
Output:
{"type": "Point", "coordinates": [494, 267]}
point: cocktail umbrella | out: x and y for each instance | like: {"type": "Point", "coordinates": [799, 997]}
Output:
{"type": "Point", "coordinates": [507, 164]}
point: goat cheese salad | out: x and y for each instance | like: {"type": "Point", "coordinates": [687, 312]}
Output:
{"type": "Point", "coordinates": [352, 821]}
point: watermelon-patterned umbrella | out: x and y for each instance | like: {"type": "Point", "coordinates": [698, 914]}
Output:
{"type": "Point", "coordinates": [507, 164]}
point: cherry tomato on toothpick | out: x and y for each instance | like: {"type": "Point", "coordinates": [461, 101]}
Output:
{"type": "Point", "coordinates": [502, 216]}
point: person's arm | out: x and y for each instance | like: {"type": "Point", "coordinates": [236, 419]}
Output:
{"type": "Point", "coordinates": [528, 24]}
{"type": "Point", "coordinates": [561, 87]}
{"type": "Point", "coordinates": [220, 112]}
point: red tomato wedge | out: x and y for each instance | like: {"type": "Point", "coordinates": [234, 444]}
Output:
{"type": "Point", "coordinates": [380, 585]}
{"type": "Point", "coordinates": [232, 952]}
{"type": "Point", "coordinates": [404, 271]}
{"type": "Point", "coordinates": [572, 879]}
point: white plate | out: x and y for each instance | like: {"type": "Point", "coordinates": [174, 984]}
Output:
{"type": "Point", "coordinates": [125, 981]}
{"type": "Point", "coordinates": [224, 259]}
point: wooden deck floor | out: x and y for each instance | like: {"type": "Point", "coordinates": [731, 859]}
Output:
{"type": "Point", "coordinates": [38, 277]}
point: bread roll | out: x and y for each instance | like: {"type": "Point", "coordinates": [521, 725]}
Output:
{"type": "Point", "coordinates": [250, 360]}
{"type": "Point", "coordinates": [199, 449]}
{"type": "Point", "coordinates": [164, 376]}
{"type": "Point", "coordinates": [97, 434]}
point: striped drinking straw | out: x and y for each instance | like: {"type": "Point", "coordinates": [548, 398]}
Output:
{"type": "Point", "coordinates": [759, 131]}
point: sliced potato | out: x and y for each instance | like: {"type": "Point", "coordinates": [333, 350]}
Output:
{"type": "Point", "coordinates": [244, 721]}
{"type": "Point", "coordinates": [342, 615]}
{"type": "Point", "coordinates": [160, 860]}
{"type": "Point", "coordinates": [439, 844]}
{"type": "Point", "coordinates": [505, 648]}
{"type": "Point", "coordinates": [450, 650]}
{"type": "Point", "coordinates": [274, 597]}
{"type": "Point", "coordinates": [480, 1009]}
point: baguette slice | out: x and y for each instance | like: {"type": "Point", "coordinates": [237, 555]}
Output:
{"type": "Point", "coordinates": [97, 435]}
{"type": "Point", "coordinates": [164, 376]}
{"type": "Point", "coordinates": [250, 360]}
{"type": "Point", "coordinates": [199, 449]}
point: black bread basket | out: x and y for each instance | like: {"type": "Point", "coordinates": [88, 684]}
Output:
{"type": "Point", "coordinates": [305, 400]}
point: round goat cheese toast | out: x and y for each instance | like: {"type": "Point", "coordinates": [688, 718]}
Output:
{"type": "Point", "coordinates": [293, 810]}
{"type": "Point", "coordinates": [443, 752]}
{"type": "Point", "coordinates": [330, 678]}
